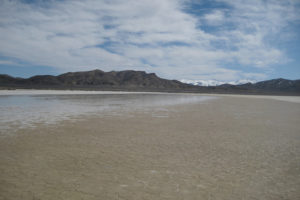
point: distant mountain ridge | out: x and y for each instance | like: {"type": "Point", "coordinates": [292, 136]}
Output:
{"type": "Point", "coordinates": [275, 84]}
{"type": "Point", "coordinates": [130, 80]}
{"type": "Point", "coordinates": [96, 79]}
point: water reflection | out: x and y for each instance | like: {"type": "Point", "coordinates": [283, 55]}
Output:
{"type": "Point", "coordinates": [17, 111]}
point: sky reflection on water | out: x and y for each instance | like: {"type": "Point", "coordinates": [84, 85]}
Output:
{"type": "Point", "coordinates": [20, 111]}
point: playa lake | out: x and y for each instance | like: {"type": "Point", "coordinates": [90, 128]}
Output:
{"type": "Point", "coordinates": [117, 145]}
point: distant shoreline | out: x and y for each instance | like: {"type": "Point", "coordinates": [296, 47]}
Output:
{"type": "Point", "coordinates": [293, 99]}
{"type": "Point", "coordinates": [67, 92]}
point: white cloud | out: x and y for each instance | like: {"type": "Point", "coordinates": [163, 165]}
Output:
{"type": "Point", "coordinates": [215, 18]}
{"type": "Point", "coordinates": [153, 35]}
{"type": "Point", "coordinates": [8, 62]}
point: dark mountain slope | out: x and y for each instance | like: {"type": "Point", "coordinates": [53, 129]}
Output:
{"type": "Point", "coordinates": [279, 84]}
{"type": "Point", "coordinates": [8, 80]}
{"type": "Point", "coordinates": [127, 79]}
{"type": "Point", "coordinates": [42, 80]}
{"type": "Point", "coordinates": [274, 85]}
{"type": "Point", "coordinates": [97, 79]}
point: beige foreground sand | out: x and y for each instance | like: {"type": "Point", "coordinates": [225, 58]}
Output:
{"type": "Point", "coordinates": [228, 148]}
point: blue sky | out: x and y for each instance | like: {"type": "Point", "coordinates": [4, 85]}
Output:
{"type": "Point", "coordinates": [225, 40]}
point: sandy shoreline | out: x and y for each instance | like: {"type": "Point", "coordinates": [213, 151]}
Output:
{"type": "Point", "coordinates": [292, 99]}
{"type": "Point", "coordinates": [229, 148]}
{"type": "Point", "coordinates": [65, 92]}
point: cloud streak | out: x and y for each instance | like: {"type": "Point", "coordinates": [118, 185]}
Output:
{"type": "Point", "coordinates": [152, 35]}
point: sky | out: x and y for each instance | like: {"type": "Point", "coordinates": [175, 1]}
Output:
{"type": "Point", "coordinates": [224, 40]}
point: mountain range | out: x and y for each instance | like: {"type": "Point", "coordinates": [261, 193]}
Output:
{"type": "Point", "coordinates": [130, 80]}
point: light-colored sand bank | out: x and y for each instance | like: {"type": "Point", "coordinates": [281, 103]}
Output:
{"type": "Point", "coordinates": [64, 92]}
{"type": "Point", "coordinates": [293, 99]}
{"type": "Point", "coordinates": [228, 148]}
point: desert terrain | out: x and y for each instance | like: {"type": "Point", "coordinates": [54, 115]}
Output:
{"type": "Point", "coordinates": [229, 147]}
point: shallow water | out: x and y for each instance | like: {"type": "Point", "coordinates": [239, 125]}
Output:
{"type": "Point", "coordinates": [27, 110]}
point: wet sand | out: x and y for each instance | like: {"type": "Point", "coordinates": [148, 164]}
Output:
{"type": "Point", "coordinates": [227, 148]}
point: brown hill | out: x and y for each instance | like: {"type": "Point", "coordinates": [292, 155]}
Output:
{"type": "Point", "coordinates": [97, 79]}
